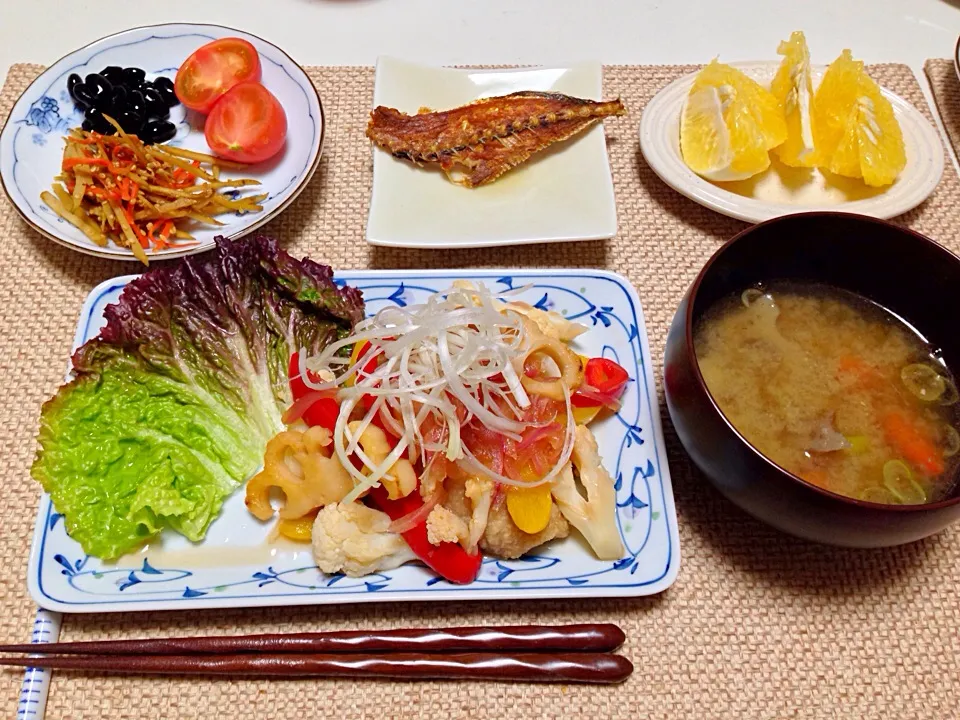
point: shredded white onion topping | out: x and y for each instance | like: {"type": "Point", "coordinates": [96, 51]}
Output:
{"type": "Point", "coordinates": [453, 360]}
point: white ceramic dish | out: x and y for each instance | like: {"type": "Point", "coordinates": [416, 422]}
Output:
{"type": "Point", "coordinates": [782, 190]}
{"type": "Point", "coordinates": [956, 58]}
{"type": "Point", "coordinates": [235, 566]}
{"type": "Point", "coordinates": [562, 193]}
{"type": "Point", "coordinates": [31, 147]}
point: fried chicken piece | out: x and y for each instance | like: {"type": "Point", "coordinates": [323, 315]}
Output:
{"type": "Point", "coordinates": [504, 539]}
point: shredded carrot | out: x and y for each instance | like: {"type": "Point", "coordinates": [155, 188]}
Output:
{"type": "Point", "coordinates": [100, 193]}
{"type": "Point", "coordinates": [908, 438]}
{"type": "Point", "coordinates": [165, 231]}
{"type": "Point", "coordinates": [70, 163]}
{"type": "Point", "coordinates": [122, 190]}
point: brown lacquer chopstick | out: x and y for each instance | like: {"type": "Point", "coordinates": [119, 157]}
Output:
{"type": "Point", "coordinates": [522, 638]}
{"type": "Point", "coordinates": [595, 668]}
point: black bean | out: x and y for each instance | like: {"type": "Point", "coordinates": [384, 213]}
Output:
{"type": "Point", "coordinates": [104, 102]}
{"type": "Point", "coordinates": [131, 122]}
{"type": "Point", "coordinates": [158, 131]}
{"type": "Point", "coordinates": [155, 105]}
{"type": "Point", "coordinates": [136, 101]}
{"type": "Point", "coordinates": [72, 81]}
{"type": "Point", "coordinates": [97, 84]}
{"type": "Point", "coordinates": [119, 96]}
{"type": "Point", "coordinates": [133, 76]}
{"type": "Point", "coordinates": [86, 125]}
{"type": "Point", "coordinates": [83, 96]}
{"type": "Point", "coordinates": [98, 123]}
{"type": "Point", "coordinates": [164, 86]}
{"type": "Point", "coordinates": [113, 73]}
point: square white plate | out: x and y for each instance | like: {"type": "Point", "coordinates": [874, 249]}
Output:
{"type": "Point", "coordinates": [562, 193]}
{"type": "Point", "coordinates": [236, 566]}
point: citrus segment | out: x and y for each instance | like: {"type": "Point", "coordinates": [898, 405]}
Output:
{"type": "Point", "coordinates": [752, 118]}
{"type": "Point", "coordinates": [793, 88]}
{"type": "Point", "coordinates": [704, 137]}
{"type": "Point", "coordinates": [855, 130]}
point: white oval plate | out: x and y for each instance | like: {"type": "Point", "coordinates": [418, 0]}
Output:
{"type": "Point", "coordinates": [31, 147]}
{"type": "Point", "coordinates": [782, 190]}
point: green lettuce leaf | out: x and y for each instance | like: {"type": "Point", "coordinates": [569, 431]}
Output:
{"type": "Point", "coordinates": [172, 404]}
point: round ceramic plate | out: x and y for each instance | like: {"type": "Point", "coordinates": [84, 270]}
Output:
{"type": "Point", "coordinates": [782, 190]}
{"type": "Point", "coordinates": [31, 144]}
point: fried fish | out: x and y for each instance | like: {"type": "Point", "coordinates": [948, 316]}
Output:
{"type": "Point", "coordinates": [477, 143]}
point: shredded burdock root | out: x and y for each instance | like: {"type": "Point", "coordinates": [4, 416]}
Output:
{"type": "Point", "coordinates": [113, 187]}
{"type": "Point", "coordinates": [434, 367]}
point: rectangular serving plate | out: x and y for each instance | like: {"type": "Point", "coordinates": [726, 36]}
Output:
{"type": "Point", "coordinates": [237, 566]}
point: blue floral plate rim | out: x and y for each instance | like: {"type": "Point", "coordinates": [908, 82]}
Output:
{"type": "Point", "coordinates": [60, 577]}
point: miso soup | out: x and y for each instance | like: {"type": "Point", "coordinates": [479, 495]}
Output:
{"type": "Point", "coordinates": [834, 389]}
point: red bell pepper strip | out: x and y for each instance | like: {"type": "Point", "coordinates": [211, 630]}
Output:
{"type": "Point", "coordinates": [606, 379]}
{"type": "Point", "coordinates": [322, 411]}
{"type": "Point", "coordinates": [605, 376]}
{"type": "Point", "coordinates": [449, 560]}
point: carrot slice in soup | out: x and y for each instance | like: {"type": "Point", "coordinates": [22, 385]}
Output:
{"type": "Point", "coordinates": [910, 441]}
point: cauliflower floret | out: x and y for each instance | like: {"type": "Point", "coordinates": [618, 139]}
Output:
{"type": "Point", "coordinates": [444, 525]}
{"type": "Point", "coordinates": [480, 493]}
{"type": "Point", "coordinates": [470, 501]}
{"type": "Point", "coordinates": [356, 540]}
{"type": "Point", "coordinates": [595, 516]}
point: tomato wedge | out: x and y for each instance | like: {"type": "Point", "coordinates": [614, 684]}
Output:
{"type": "Point", "coordinates": [213, 69]}
{"type": "Point", "coordinates": [247, 124]}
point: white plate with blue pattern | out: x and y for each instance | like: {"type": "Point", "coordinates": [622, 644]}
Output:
{"type": "Point", "coordinates": [237, 565]}
{"type": "Point", "coordinates": [31, 147]}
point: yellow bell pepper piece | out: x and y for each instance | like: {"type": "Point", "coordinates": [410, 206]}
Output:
{"type": "Point", "coordinates": [530, 507]}
{"type": "Point", "coordinates": [358, 349]}
{"type": "Point", "coordinates": [585, 415]}
{"type": "Point", "coordinates": [299, 529]}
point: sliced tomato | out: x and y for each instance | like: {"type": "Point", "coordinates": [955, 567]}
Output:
{"type": "Point", "coordinates": [485, 444]}
{"type": "Point", "coordinates": [532, 457]}
{"type": "Point", "coordinates": [543, 410]}
{"type": "Point", "coordinates": [247, 124]}
{"type": "Point", "coordinates": [213, 69]}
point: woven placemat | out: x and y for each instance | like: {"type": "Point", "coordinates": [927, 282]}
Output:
{"type": "Point", "coordinates": [945, 87]}
{"type": "Point", "coordinates": [758, 625]}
